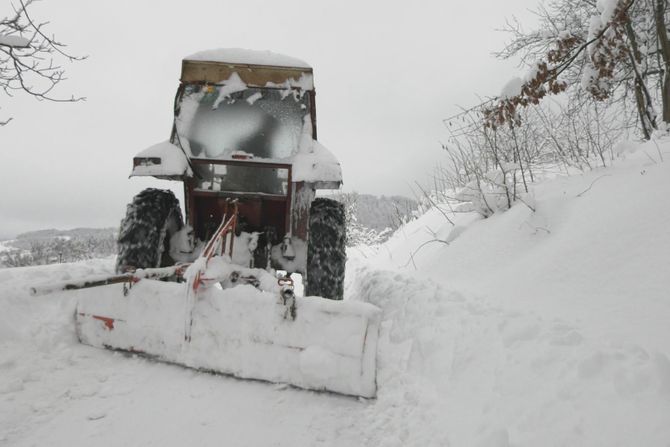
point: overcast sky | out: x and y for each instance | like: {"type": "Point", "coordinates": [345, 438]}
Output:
{"type": "Point", "coordinates": [386, 74]}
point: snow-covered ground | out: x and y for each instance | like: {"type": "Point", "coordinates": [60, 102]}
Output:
{"type": "Point", "coordinates": [527, 328]}
{"type": "Point", "coordinates": [57, 392]}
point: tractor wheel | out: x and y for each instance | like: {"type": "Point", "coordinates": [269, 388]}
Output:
{"type": "Point", "coordinates": [326, 249]}
{"type": "Point", "coordinates": [144, 237]}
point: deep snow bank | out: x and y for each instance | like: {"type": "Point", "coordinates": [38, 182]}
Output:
{"type": "Point", "coordinates": [544, 327]}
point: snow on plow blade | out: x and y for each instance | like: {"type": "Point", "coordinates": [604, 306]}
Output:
{"type": "Point", "coordinates": [242, 331]}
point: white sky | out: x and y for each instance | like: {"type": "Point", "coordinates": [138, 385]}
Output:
{"type": "Point", "coordinates": [386, 74]}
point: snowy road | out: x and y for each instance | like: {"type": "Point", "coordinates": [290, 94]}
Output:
{"type": "Point", "coordinates": [103, 399]}
{"type": "Point", "coordinates": [453, 370]}
{"type": "Point", "coordinates": [57, 392]}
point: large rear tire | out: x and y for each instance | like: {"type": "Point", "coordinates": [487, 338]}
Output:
{"type": "Point", "coordinates": [326, 249]}
{"type": "Point", "coordinates": [151, 219]}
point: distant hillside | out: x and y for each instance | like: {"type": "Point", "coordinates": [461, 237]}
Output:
{"type": "Point", "coordinates": [74, 233]}
{"type": "Point", "coordinates": [368, 217]}
{"type": "Point", "coordinates": [51, 246]}
{"type": "Point", "coordinates": [379, 212]}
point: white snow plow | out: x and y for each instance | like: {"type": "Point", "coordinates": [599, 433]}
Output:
{"type": "Point", "coordinates": [232, 320]}
{"type": "Point", "coordinates": [242, 331]}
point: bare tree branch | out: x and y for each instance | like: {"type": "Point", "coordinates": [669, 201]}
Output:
{"type": "Point", "coordinates": [30, 59]}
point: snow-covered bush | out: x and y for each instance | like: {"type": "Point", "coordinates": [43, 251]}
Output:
{"type": "Point", "coordinates": [357, 233]}
{"type": "Point", "coordinates": [494, 192]}
{"type": "Point", "coordinates": [371, 220]}
{"type": "Point", "coordinates": [605, 65]}
{"type": "Point", "coordinates": [16, 258]}
{"type": "Point", "coordinates": [612, 52]}
{"type": "Point", "coordinates": [77, 245]}
{"type": "Point", "coordinates": [495, 167]}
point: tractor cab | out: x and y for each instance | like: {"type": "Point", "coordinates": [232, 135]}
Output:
{"type": "Point", "coordinates": [245, 128]}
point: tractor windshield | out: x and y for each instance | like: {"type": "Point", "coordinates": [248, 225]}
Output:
{"type": "Point", "coordinates": [271, 179]}
{"type": "Point", "coordinates": [214, 123]}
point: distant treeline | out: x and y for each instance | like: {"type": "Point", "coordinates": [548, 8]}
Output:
{"type": "Point", "coordinates": [55, 246]}
{"type": "Point", "coordinates": [372, 219]}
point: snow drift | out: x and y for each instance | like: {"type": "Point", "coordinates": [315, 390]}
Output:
{"type": "Point", "coordinates": [545, 327]}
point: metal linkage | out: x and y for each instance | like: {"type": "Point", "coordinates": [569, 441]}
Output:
{"type": "Point", "coordinates": [218, 241]}
{"type": "Point", "coordinates": [126, 278]}
{"type": "Point", "coordinates": [216, 244]}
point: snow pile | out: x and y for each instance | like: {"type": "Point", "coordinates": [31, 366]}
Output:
{"type": "Point", "coordinates": [220, 269]}
{"type": "Point", "coordinates": [607, 8]}
{"type": "Point", "coordinates": [240, 331]}
{"type": "Point", "coordinates": [232, 85]}
{"type": "Point", "coordinates": [317, 164]}
{"type": "Point", "coordinates": [173, 161]}
{"type": "Point", "coordinates": [243, 248]}
{"type": "Point", "coordinates": [298, 263]}
{"type": "Point", "coordinates": [314, 162]}
{"type": "Point", "coordinates": [244, 56]}
{"type": "Point", "coordinates": [512, 88]}
{"type": "Point", "coordinates": [294, 86]}
{"type": "Point", "coordinates": [530, 328]}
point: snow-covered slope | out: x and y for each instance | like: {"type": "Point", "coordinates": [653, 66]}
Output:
{"type": "Point", "coordinates": [546, 327]}
{"type": "Point", "coordinates": [531, 328]}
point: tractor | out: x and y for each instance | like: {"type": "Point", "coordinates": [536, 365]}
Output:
{"type": "Point", "coordinates": [244, 130]}
{"type": "Point", "coordinates": [243, 143]}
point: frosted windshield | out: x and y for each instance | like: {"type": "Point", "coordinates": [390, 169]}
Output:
{"type": "Point", "coordinates": [257, 179]}
{"type": "Point", "coordinates": [266, 123]}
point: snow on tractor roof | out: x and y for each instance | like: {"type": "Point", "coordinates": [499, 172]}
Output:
{"type": "Point", "coordinates": [247, 57]}
{"type": "Point", "coordinates": [262, 69]}
{"type": "Point", "coordinates": [236, 101]}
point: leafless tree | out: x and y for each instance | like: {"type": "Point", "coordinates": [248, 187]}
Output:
{"type": "Point", "coordinates": [620, 55]}
{"type": "Point", "coordinates": [30, 57]}
{"type": "Point", "coordinates": [606, 63]}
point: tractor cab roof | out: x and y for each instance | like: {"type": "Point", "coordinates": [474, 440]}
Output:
{"type": "Point", "coordinates": [263, 69]}
{"type": "Point", "coordinates": [236, 104]}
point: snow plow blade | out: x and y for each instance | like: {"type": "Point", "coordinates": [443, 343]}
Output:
{"type": "Point", "coordinates": [241, 331]}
